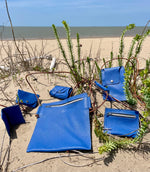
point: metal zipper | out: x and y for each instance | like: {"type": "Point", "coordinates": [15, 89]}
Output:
{"type": "Point", "coordinates": [64, 104]}
{"type": "Point", "coordinates": [121, 115]}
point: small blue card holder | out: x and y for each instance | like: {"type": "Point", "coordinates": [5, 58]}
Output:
{"type": "Point", "coordinates": [60, 92]}
{"type": "Point", "coordinates": [121, 122]}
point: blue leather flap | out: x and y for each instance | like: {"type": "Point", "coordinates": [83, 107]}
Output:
{"type": "Point", "coordinates": [111, 76]}
{"type": "Point", "coordinates": [113, 80]}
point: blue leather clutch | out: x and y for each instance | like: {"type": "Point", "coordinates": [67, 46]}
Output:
{"type": "Point", "coordinates": [60, 92]}
{"type": "Point", "coordinates": [26, 98]}
{"type": "Point", "coordinates": [121, 122]}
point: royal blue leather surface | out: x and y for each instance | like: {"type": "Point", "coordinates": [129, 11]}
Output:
{"type": "Point", "coordinates": [62, 125]}
{"type": "Point", "coordinates": [26, 98]}
{"type": "Point", "coordinates": [121, 122]}
{"type": "Point", "coordinates": [113, 81]}
{"type": "Point", "coordinates": [12, 116]}
{"type": "Point", "coordinates": [60, 92]}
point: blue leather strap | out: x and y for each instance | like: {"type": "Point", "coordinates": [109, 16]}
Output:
{"type": "Point", "coordinates": [101, 86]}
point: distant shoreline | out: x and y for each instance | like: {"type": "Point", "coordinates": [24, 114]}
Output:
{"type": "Point", "coordinates": [46, 33]}
{"type": "Point", "coordinates": [19, 39]}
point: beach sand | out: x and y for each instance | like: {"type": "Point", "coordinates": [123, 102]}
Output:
{"type": "Point", "coordinates": [128, 160]}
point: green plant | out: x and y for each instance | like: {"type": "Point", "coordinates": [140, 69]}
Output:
{"type": "Point", "coordinates": [129, 70]}
{"type": "Point", "coordinates": [135, 39]}
{"type": "Point", "coordinates": [73, 68]}
{"type": "Point", "coordinates": [104, 63]}
{"type": "Point", "coordinates": [111, 59]}
{"type": "Point", "coordinates": [103, 137]}
{"type": "Point", "coordinates": [81, 70]}
{"type": "Point", "coordinates": [127, 85]}
{"type": "Point", "coordinates": [121, 48]}
{"type": "Point", "coordinates": [145, 89]}
{"type": "Point", "coordinates": [140, 41]}
{"type": "Point", "coordinates": [70, 47]}
{"type": "Point", "coordinates": [98, 70]}
{"type": "Point", "coordinates": [89, 67]}
{"type": "Point", "coordinates": [79, 53]}
{"type": "Point", "coordinates": [61, 47]}
{"type": "Point", "coordinates": [114, 144]}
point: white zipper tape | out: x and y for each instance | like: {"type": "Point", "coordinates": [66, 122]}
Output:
{"type": "Point", "coordinates": [121, 115]}
{"type": "Point", "coordinates": [64, 104]}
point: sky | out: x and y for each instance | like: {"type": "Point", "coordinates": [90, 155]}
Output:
{"type": "Point", "coordinates": [75, 12]}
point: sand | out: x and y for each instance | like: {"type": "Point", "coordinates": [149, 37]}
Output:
{"type": "Point", "coordinates": [129, 160]}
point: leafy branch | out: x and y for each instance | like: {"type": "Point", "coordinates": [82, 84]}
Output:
{"type": "Point", "coordinates": [72, 67]}
{"type": "Point", "coordinates": [129, 27]}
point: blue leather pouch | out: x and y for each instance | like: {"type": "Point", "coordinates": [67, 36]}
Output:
{"type": "Point", "coordinates": [26, 98]}
{"type": "Point", "coordinates": [12, 116]}
{"type": "Point", "coordinates": [62, 125]}
{"type": "Point", "coordinates": [121, 122]}
{"type": "Point", "coordinates": [60, 92]}
{"type": "Point", "coordinates": [113, 82]}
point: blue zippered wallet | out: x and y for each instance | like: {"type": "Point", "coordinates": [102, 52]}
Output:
{"type": "Point", "coordinates": [121, 122]}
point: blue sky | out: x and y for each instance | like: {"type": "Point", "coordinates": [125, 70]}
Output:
{"type": "Point", "coordinates": [76, 12]}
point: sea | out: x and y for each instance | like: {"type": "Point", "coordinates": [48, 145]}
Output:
{"type": "Point", "coordinates": [48, 33]}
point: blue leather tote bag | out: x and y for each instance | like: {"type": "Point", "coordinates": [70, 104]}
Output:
{"type": "Point", "coordinates": [121, 122]}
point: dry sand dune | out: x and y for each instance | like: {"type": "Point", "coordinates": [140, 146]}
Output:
{"type": "Point", "coordinates": [120, 161]}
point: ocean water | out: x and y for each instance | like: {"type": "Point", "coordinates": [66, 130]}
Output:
{"type": "Point", "coordinates": [47, 32]}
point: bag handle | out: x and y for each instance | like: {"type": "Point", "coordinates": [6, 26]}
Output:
{"type": "Point", "coordinates": [3, 105]}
